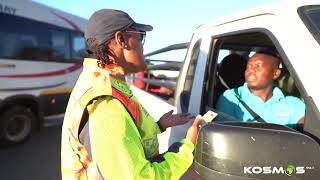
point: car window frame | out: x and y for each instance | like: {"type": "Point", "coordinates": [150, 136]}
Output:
{"type": "Point", "coordinates": [311, 113]}
{"type": "Point", "coordinates": [302, 12]}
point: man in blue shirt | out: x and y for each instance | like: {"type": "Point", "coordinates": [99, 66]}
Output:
{"type": "Point", "coordinates": [261, 95]}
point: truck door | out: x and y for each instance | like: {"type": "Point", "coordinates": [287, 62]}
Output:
{"type": "Point", "coordinates": [190, 84]}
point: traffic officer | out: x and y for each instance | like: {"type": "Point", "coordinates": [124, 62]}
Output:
{"type": "Point", "coordinates": [106, 133]}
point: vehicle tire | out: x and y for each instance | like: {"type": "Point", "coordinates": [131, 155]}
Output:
{"type": "Point", "coordinates": [17, 124]}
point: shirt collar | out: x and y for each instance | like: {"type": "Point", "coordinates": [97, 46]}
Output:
{"type": "Point", "coordinates": [276, 93]}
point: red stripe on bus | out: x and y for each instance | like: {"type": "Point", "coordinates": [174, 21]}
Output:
{"type": "Point", "coordinates": [67, 21]}
{"type": "Point", "coordinates": [47, 74]}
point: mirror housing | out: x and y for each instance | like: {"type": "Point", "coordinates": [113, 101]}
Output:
{"type": "Point", "coordinates": [246, 151]}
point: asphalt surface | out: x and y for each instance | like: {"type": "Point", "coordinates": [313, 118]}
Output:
{"type": "Point", "coordinates": [36, 159]}
{"type": "Point", "coordinates": [39, 158]}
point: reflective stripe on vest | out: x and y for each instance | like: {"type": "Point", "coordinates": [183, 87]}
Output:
{"type": "Point", "coordinates": [129, 104]}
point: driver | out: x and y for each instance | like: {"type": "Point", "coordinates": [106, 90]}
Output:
{"type": "Point", "coordinates": [261, 95]}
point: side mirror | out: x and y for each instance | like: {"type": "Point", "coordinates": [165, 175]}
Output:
{"type": "Point", "coordinates": [246, 151]}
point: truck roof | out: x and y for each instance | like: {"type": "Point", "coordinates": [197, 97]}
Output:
{"type": "Point", "coordinates": [271, 9]}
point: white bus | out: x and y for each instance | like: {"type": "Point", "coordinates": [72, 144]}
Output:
{"type": "Point", "coordinates": [41, 52]}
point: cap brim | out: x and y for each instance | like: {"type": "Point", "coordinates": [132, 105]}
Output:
{"type": "Point", "coordinates": [142, 27]}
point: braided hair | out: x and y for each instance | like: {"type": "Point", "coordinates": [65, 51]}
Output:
{"type": "Point", "coordinates": [100, 52]}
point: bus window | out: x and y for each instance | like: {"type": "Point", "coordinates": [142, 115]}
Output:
{"type": "Point", "coordinates": [21, 41]}
{"type": "Point", "coordinates": [26, 47]}
{"type": "Point", "coordinates": [78, 46]}
{"type": "Point", "coordinates": [60, 45]}
{"type": "Point", "coordinates": [7, 44]}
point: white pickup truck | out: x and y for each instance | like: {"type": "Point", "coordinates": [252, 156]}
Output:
{"type": "Point", "coordinates": [237, 150]}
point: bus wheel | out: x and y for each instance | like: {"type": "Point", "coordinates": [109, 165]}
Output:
{"type": "Point", "coordinates": [17, 124]}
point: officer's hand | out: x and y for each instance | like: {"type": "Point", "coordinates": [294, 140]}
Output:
{"type": "Point", "coordinates": [192, 132]}
{"type": "Point", "coordinates": [170, 120]}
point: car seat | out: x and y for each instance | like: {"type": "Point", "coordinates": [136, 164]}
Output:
{"type": "Point", "coordinates": [286, 83]}
{"type": "Point", "coordinates": [230, 73]}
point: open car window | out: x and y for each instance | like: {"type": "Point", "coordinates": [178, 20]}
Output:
{"type": "Point", "coordinates": [240, 47]}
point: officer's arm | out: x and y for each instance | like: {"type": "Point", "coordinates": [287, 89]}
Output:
{"type": "Point", "coordinates": [117, 148]}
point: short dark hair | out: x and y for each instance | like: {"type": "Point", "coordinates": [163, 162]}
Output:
{"type": "Point", "coordinates": [271, 52]}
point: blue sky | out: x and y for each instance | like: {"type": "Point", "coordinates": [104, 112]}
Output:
{"type": "Point", "coordinates": [173, 20]}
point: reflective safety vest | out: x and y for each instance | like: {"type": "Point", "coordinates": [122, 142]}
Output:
{"type": "Point", "coordinates": [92, 84]}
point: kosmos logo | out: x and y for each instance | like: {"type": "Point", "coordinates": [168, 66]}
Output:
{"type": "Point", "coordinates": [289, 170]}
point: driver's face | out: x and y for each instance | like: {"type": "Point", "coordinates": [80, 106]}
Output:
{"type": "Point", "coordinates": [260, 71]}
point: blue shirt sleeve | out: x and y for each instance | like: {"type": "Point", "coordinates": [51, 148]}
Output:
{"type": "Point", "coordinates": [297, 109]}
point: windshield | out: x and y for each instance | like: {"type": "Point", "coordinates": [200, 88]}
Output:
{"type": "Point", "coordinates": [310, 15]}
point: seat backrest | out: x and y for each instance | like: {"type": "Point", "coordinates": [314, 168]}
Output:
{"type": "Point", "coordinates": [230, 74]}
{"type": "Point", "coordinates": [232, 69]}
{"type": "Point", "coordinates": [286, 83]}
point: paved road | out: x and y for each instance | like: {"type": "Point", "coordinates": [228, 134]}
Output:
{"type": "Point", "coordinates": [39, 158]}
{"type": "Point", "coordinates": [36, 159]}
